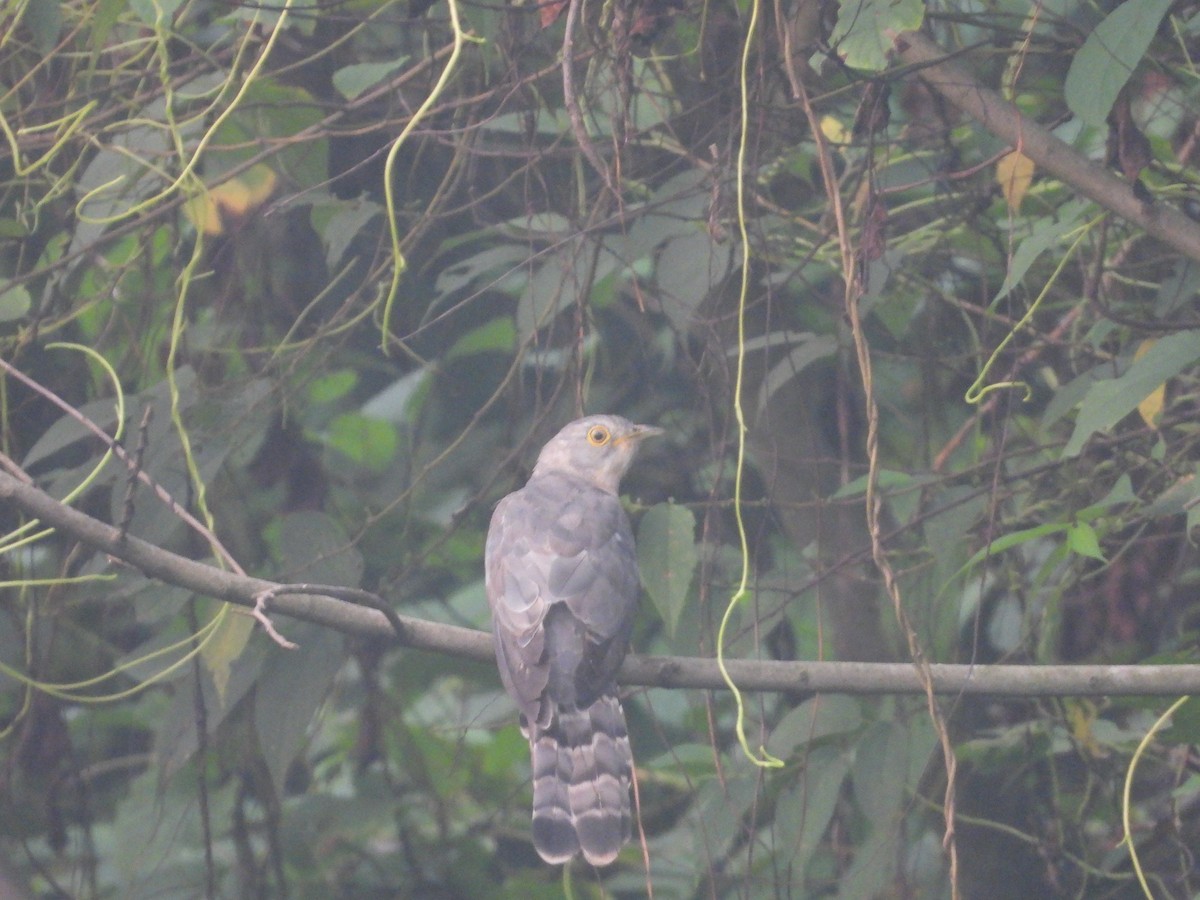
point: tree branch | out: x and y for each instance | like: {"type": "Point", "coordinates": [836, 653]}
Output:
{"type": "Point", "coordinates": [649, 671]}
{"type": "Point", "coordinates": [1048, 152]}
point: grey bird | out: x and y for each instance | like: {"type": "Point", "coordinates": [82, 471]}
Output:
{"type": "Point", "coordinates": [562, 582]}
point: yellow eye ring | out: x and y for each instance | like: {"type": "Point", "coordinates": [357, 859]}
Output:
{"type": "Point", "coordinates": [598, 435]}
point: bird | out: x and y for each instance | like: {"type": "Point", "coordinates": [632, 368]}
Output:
{"type": "Point", "coordinates": [562, 581]}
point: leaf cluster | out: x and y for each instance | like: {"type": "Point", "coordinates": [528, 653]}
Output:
{"type": "Point", "coordinates": [197, 248]}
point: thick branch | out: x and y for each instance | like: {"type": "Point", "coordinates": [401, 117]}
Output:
{"type": "Point", "coordinates": [1048, 152]}
{"type": "Point", "coordinates": [651, 671]}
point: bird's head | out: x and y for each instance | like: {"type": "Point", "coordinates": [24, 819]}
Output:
{"type": "Point", "coordinates": [598, 449]}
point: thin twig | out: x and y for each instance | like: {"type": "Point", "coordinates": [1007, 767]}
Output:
{"type": "Point", "coordinates": [261, 613]}
{"type": "Point", "coordinates": [919, 661]}
{"type": "Point", "coordinates": [571, 100]}
{"type": "Point", "coordinates": [351, 595]}
{"type": "Point", "coordinates": [1051, 154]}
{"type": "Point", "coordinates": [135, 467]}
{"type": "Point", "coordinates": [123, 455]}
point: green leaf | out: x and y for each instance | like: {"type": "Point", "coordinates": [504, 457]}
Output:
{"type": "Point", "coordinates": [151, 11]}
{"type": "Point", "coordinates": [505, 752]}
{"type": "Point", "coordinates": [338, 222]}
{"type": "Point", "coordinates": [667, 558]}
{"type": "Point", "coordinates": [861, 34]}
{"type": "Point", "coordinates": [688, 268]}
{"type": "Point", "coordinates": [1043, 237]}
{"type": "Point", "coordinates": [67, 430]}
{"type": "Point", "coordinates": [798, 358]}
{"type": "Point", "coordinates": [313, 547]}
{"type": "Point", "coordinates": [155, 817]}
{"type": "Point", "coordinates": [399, 401]}
{"type": "Point", "coordinates": [887, 480]}
{"type": "Point", "coordinates": [175, 726]}
{"type": "Point", "coordinates": [291, 689]}
{"type": "Point", "coordinates": [806, 806]}
{"type": "Point", "coordinates": [43, 18]}
{"type": "Point", "coordinates": [722, 804]}
{"type": "Point", "coordinates": [542, 226]}
{"type": "Point", "coordinates": [1109, 56]}
{"type": "Point", "coordinates": [1121, 492]}
{"type": "Point", "coordinates": [15, 302]}
{"type": "Point", "coordinates": [270, 110]}
{"type": "Point", "coordinates": [222, 651]}
{"type": "Point", "coordinates": [497, 264]}
{"type": "Point", "coordinates": [820, 717]}
{"type": "Point", "coordinates": [333, 386]}
{"type": "Point", "coordinates": [351, 81]}
{"type": "Point", "coordinates": [1107, 402]}
{"type": "Point", "coordinates": [1005, 541]}
{"type": "Point", "coordinates": [1177, 289]}
{"type": "Point", "coordinates": [1182, 494]}
{"type": "Point", "coordinates": [881, 765]}
{"type": "Point", "coordinates": [104, 15]}
{"type": "Point", "coordinates": [559, 283]}
{"type": "Point", "coordinates": [1184, 730]}
{"type": "Point", "coordinates": [548, 121]}
{"type": "Point", "coordinates": [498, 334]}
{"type": "Point", "coordinates": [128, 165]}
{"type": "Point", "coordinates": [873, 869]}
{"type": "Point", "coordinates": [1081, 539]}
{"type": "Point", "coordinates": [369, 442]}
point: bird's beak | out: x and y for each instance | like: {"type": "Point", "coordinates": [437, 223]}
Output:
{"type": "Point", "coordinates": [644, 431]}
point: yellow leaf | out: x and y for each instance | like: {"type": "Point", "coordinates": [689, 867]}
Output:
{"type": "Point", "coordinates": [1014, 172]}
{"type": "Point", "coordinates": [213, 210]}
{"type": "Point", "coordinates": [232, 198]}
{"type": "Point", "coordinates": [1081, 716]}
{"type": "Point", "coordinates": [239, 196]}
{"type": "Point", "coordinates": [834, 130]}
{"type": "Point", "coordinates": [201, 210]}
{"type": "Point", "coordinates": [225, 646]}
{"type": "Point", "coordinates": [1150, 408]}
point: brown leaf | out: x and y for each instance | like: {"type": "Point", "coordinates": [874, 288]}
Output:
{"type": "Point", "coordinates": [548, 13]}
{"type": "Point", "coordinates": [1127, 146]}
{"type": "Point", "coordinates": [874, 231]}
{"type": "Point", "coordinates": [873, 112]}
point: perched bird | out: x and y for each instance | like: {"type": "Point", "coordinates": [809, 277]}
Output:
{"type": "Point", "coordinates": [562, 582]}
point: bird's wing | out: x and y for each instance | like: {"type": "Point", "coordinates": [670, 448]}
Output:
{"type": "Point", "coordinates": [518, 602]}
{"type": "Point", "coordinates": [559, 543]}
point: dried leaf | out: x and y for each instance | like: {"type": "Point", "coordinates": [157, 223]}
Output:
{"type": "Point", "coordinates": [1127, 146]}
{"type": "Point", "coordinates": [548, 13]}
{"type": "Point", "coordinates": [1014, 173]}
{"type": "Point", "coordinates": [873, 112]}
{"type": "Point", "coordinates": [874, 230]}
{"type": "Point", "coordinates": [1151, 407]}
{"type": "Point", "coordinates": [220, 209]}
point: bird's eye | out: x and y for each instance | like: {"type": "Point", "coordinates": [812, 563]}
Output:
{"type": "Point", "coordinates": [598, 435]}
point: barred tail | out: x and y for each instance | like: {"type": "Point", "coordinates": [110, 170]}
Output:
{"type": "Point", "coordinates": [582, 767]}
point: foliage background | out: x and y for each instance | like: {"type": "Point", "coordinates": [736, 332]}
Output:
{"type": "Point", "coordinates": [194, 217]}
